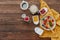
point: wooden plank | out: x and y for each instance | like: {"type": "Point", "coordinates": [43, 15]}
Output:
{"type": "Point", "coordinates": [16, 28]}
{"type": "Point", "coordinates": [52, 1]}
{"type": "Point", "coordinates": [13, 18]}
{"type": "Point", "coordinates": [17, 36]}
{"type": "Point", "coordinates": [11, 25]}
{"type": "Point", "coordinates": [12, 6]}
{"type": "Point", "coordinates": [55, 7]}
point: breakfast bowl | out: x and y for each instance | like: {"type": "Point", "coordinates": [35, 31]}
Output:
{"type": "Point", "coordinates": [48, 23]}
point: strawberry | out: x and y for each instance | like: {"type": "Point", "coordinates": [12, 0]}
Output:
{"type": "Point", "coordinates": [48, 17]}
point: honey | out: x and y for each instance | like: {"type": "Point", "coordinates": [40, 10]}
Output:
{"type": "Point", "coordinates": [35, 18]}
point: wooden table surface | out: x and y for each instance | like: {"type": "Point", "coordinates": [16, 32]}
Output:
{"type": "Point", "coordinates": [11, 25]}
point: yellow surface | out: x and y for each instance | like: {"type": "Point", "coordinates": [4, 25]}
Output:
{"type": "Point", "coordinates": [56, 33]}
{"type": "Point", "coordinates": [56, 15]}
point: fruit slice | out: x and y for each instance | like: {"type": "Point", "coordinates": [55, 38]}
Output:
{"type": "Point", "coordinates": [26, 19]}
{"type": "Point", "coordinates": [50, 23]}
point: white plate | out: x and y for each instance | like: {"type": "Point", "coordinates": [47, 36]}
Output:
{"type": "Point", "coordinates": [33, 9]}
{"type": "Point", "coordinates": [37, 22]}
{"type": "Point", "coordinates": [45, 27]}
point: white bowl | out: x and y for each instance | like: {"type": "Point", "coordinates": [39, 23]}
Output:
{"type": "Point", "coordinates": [46, 28]}
{"type": "Point", "coordinates": [33, 9]}
{"type": "Point", "coordinates": [27, 5]}
{"type": "Point", "coordinates": [37, 22]}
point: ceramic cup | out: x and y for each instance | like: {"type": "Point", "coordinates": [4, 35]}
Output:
{"type": "Point", "coordinates": [24, 5]}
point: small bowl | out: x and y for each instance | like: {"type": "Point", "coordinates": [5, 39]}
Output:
{"type": "Point", "coordinates": [33, 9]}
{"type": "Point", "coordinates": [24, 5]}
{"type": "Point", "coordinates": [43, 11]}
{"type": "Point", "coordinates": [36, 22]}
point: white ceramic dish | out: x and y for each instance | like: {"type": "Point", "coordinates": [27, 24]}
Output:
{"type": "Point", "coordinates": [46, 10]}
{"type": "Point", "coordinates": [33, 9]}
{"type": "Point", "coordinates": [37, 22]}
{"type": "Point", "coordinates": [38, 30]}
{"type": "Point", "coordinates": [24, 5]}
{"type": "Point", "coordinates": [41, 23]}
{"type": "Point", "coordinates": [23, 15]}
